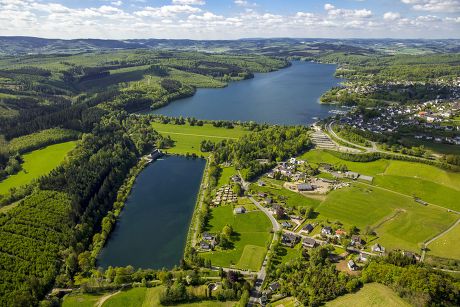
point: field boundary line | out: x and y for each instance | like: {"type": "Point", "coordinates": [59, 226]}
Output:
{"type": "Point", "coordinates": [201, 135]}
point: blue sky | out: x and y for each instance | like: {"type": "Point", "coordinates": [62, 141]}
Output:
{"type": "Point", "coordinates": [230, 19]}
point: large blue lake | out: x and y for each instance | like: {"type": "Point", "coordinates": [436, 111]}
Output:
{"type": "Point", "coordinates": [152, 228]}
{"type": "Point", "coordinates": [288, 96]}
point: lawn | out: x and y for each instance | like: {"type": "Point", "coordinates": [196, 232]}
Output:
{"type": "Point", "coordinates": [188, 138]}
{"type": "Point", "coordinates": [363, 206]}
{"type": "Point", "coordinates": [370, 295]}
{"type": "Point", "coordinates": [132, 297]}
{"type": "Point", "coordinates": [285, 302]}
{"type": "Point", "coordinates": [227, 173]}
{"type": "Point", "coordinates": [36, 164]}
{"type": "Point", "coordinates": [445, 245]}
{"type": "Point", "coordinates": [81, 300]}
{"type": "Point", "coordinates": [252, 235]}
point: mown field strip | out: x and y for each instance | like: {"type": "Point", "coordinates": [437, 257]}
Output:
{"type": "Point", "coordinates": [200, 135]}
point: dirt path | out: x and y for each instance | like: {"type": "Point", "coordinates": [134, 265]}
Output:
{"type": "Point", "coordinates": [388, 218]}
{"type": "Point", "coordinates": [105, 298]}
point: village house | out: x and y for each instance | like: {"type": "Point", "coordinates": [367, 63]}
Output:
{"type": "Point", "coordinates": [377, 248]}
{"type": "Point", "coordinates": [207, 236]}
{"type": "Point", "coordinates": [274, 286]}
{"type": "Point", "coordinates": [339, 233]}
{"type": "Point", "coordinates": [286, 224]}
{"type": "Point", "coordinates": [309, 242]}
{"type": "Point", "coordinates": [327, 231]}
{"type": "Point", "coordinates": [205, 245]}
{"type": "Point", "coordinates": [239, 210]}
{"type": "Point", "coordinates": [356, 240]}
{"type": "Point", "coordinates": [352, 265]}
{"type": "Point", "coordinates": [363, 257]}
{"type": "Point", "coordinates": [308, 228]}
{"type": "Point", "coordinates": [289, 239]}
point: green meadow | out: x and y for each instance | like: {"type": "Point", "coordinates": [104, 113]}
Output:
{"type": "Point", "coordinates": [251, 238]}
{"type": "Point", "coordinates": [227, 173]}
{"type": "Point", "coordinates": [36, 164]}
{"type": "Point", "coordinates": [446, 246]}
{"type": "Point", "coordinates": [370, 295]}
{"type": "Point", "coordinates": [188, 138]}
{"type": "Point", "coordinates": [387, 206]}
{"type": "Point", "coordinates": [135, 297]}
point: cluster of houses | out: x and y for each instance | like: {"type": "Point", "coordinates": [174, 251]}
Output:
{"type": "Point", "coordinates": [288, 170]}
{"type": "Point", "coordinates": [208, 241]}
{"type": "Point", "coordinates": [428, 115]}
{"type": "Point", "coordinates": [224, 195]}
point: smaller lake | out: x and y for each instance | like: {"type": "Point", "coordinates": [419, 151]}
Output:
{"type": "Point", "coordinates": [152, 229]}
{"type": "Point", "coordinates": [289, 96]}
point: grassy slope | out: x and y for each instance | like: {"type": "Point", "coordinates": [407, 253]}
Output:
{"type": "Point", "coordinates": [252, 235]}
{"type": "Point", "coordinates": [36, 164]}
{"type": "Point", "coordinates": [370, 295]}
{"type": "Point", "coordinates": [188, 138]}
{"type": "Point", "coordinates": [227, 173]}
{"type": "Point", "coordinates": [447, 245]}
{"type": "Point", "coordinates": [365, 206]}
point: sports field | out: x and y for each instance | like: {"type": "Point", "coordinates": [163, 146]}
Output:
{"type": "Point", "coordinates": [36, 164]}
{"type": "Point", "coordinates": [188, 138]}
{"type": "Point", "coordinates": [370, 295]}
{"type": "Point", "coordinates": [252, 235]}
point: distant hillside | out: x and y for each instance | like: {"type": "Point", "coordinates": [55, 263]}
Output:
{"type": "Point", "coordinates": [299, 47]}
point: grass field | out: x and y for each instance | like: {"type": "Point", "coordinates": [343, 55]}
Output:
{"type": "Point", "coordinates": [370, 295]}
{"type": "Point", "coordinates": [252, 234]}
{"type": "Point", "coordinates": [81, 300]}
{"type": "Point", "coordinates": [36, 164]}
{"type": "Point", "coordinates": [447, 245]}
{"type": "Point", "coordinates": [363, 206]}
{"type": "Point", "coordinates": [188, 138]}
{"type": "Point", "coordinates": [227, 173]}
{"type": "Point", "coordinates": [135, 297]}
{"type": "Point", "coordinates": [285, 302]}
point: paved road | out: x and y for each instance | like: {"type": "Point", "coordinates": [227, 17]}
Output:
{"type": "Point", "coordinates": [332, 132]}
{"type": "Point", "coordinates": [255, 293]}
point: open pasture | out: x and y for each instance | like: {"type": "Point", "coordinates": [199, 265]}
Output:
{"type": "Point", "coordinates": [446, 246]}
{"type": "Point", "coordinates": [398, 220]}
{"type": "Point", "coordinates": [252, 234]}
{"type": "Point", "coordinates": [370, 295]}
{"type": "Point", "coordinates": [36, 164]}
{"type": "Point", "coordinates": [188, 138]}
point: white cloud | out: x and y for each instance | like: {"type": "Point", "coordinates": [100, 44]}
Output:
{"type": "Point", "coordinates": [391, 16]}
{"type": "Point", "coordinates": [167, 11]}
{"type": "Point", "coordinates": [189, 2]}
{"type": "Point", "coordinates": [329, 7]}
{"type": "Point", "coordinates": [440, 6]}
{"type": "Point", "coordinates": [117, 3]}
